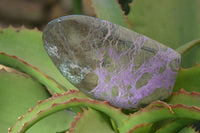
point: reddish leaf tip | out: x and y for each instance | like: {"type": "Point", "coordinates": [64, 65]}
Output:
{"type": "Point", "coordinates": [106, 102]}
{"type": "Point", "coordinates": [73, 91]}
{"type": "Point", "coordinates": [40, 101]}
{"type": "Point", "coordinates": [54, 104]}
{"type": "Point", "coordinates": [30, 109]}
{"type": "Point", "coordinates": [20, 117]}
{"type": "Point", "coordinates": [36, 28]}
{"type": "Point", "coordinates": [40, 112]}
{"type": "Point", "coordinates": [56, 94]}
{"type": "Point", "coordinates": [182, 91]}
{"type": "Point", "coordinates": [23, 27]}
{"type": "Point", "coordinates": [11, 26]}
{"type": "Point", "coordinates": [196, 64]}
{"type": "Point", "coordinates": [74, 99]}
{"type": "Point", "coordinates": [9, 129]}
{"type": "Point", "coordinates": [120, 109]}
{"type": "Point", "coordinates": [138, 126]}
{"type": "Point", "coordinates": [25, 124]}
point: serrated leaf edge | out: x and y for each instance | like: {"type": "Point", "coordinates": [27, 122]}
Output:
{"type": "Point", "coordinates": [18, 29]}
{"type": "Point", "coordinates": [76, 118]}
{"type": "Point", "coordinates": [171, 125]}
{"type": "Point", "coordinates": [182, 91]}
{"type": "Point", "coordinates": [49, 83]}
{"type": "Point", "coordinates": [157, 106]}
{"type": "Point", "coordinates": [139, 126]}
{"type": "Point", "coordinates": [102, 106]}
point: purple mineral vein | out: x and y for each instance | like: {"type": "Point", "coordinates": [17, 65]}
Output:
{"type": "Point", "coordinates": [123, 75]}
{"type": "Point", "coordinates": [81, 46]}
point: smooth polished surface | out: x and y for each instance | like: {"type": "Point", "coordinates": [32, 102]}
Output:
{"type": "Point", "coordinates": [109, 62]}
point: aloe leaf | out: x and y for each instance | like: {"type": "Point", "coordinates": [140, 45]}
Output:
{"type": "Point", "coordinates": [27, 45]}
{"type": "Point", "coordinates": [170, 22]}
{"type": "Point", "coordinates": [142, 128]}
{"type": "Point", "coordinates": [181, 97]}
{"type": "Point", "coordinates": [186, 98]}
{"type": "Point", "coordinates": [159, 124]}
{"type": "Point", "coordinates": [188, 79]}
{"type": "Point", "coordinates": [174, 126]}
{"type": "Point", "coordinates": [63, 101]}
{"type": "Point", "coordinates": [91, 121]}
{"type": "Point", "coordinates": [110, 10]}
{"type": "Point", "coordinates": [54, 123]}
{"type": "Point", "coordinates": [13, 61]}
{"type": "Point", "coordinates": [186, 47]}
{"type": "Point", "coordinates": [188, 130]}
{"type": "Point", "coordinates": [18, 91]}
{"type": "Point", "coordinates": [158, 111]}
{"type": "Point", "coordinates": [190, 53]}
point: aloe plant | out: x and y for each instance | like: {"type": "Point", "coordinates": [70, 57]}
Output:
{"type": "Point", "coordinates": [34, 91]}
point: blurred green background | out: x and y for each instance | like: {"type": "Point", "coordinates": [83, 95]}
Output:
{"type": "Point", "coordinates": [36, 13]}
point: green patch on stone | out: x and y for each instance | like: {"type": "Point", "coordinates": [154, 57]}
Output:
{"type": "Point", "coordinates": [157, 94]}
{"type": "Point", "coordinates": [143, 80]}
{"type": "Point", "coordinates": [162, 69]}
{"type": "Point", "coordinates": [174, 65]}
{"type": "Point", "coordinates": [90, 81]}
{"type": "Point", "coordinates": [115, 91]}
{"type": "Point", "coordinates": [131, 94]}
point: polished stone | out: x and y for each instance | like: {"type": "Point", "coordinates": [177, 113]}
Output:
{"type": "Point", "coordinates": [109, 62]}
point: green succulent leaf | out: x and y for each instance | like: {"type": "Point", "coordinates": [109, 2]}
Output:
{"type": "Point", "coordinates": [170, 22]}
{"type": "Point", "coordinates": [188, 130]}
{"type": "Point", "coordinates": [188, 79]}
{"type": "Point", "coordinates": [64, 101]}
{"type": "Point", "coordinates": [18, 91]}
{"type": "Point", "coordinates": [157, 125]}
{"type": "Point", "coordinates": [190, 53]}
{"type": "Point", "coordinates": [158, 111]}
{"type": "Point", "coordinates": [142, 128]}
{"type": "Point", "coordinates": [14, 62]}
{"type": "Point", "coordinates": [155, 112]}
{"type": "Point", "coordinates": [174, 126]}
{"type": "Point", "coordinates": [186, 98]}
{"type": "Point", "coordinates": [27, 45]}
{"type": "Point", "coordinates": [91, 121]}
{"type": "Point", "coordinates": [110, 10]}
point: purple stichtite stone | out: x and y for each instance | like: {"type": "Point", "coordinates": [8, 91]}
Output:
{"type": "Point", "coordinates": [109, 62]}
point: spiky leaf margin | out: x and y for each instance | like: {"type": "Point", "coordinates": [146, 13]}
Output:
{"type": "Point", "coordinates": [63, 101]}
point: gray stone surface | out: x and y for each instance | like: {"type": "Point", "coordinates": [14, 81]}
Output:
{"type": "Point", "coordinates": [109, 62]}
